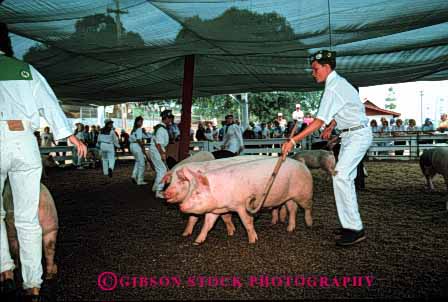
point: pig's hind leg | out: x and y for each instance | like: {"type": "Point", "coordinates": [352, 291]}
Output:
{"type": "Point", "coordinates": [227, 218]}
{"type": "Point", "coordinates": [248, 222]}
{"type": "Point", "coordinates": [49, 242]}
{"type": "Point", "coordinates": [292, 208]}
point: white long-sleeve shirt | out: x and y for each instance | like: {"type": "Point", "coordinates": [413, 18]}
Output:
{"type": "Point", "coordinates": [233, 139]}
{"type": "Point", "coordinates": [110, 138]}
{"type": "Point", "coordinates": [29, 98]}
{"type": "Point", "coordinates": [341, 102]}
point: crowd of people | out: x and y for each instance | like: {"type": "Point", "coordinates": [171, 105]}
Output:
{"type": "Point", "coordinates": [397, 125]}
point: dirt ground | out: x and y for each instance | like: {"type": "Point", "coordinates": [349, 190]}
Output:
{"type": "Point", "coordinates": [112, 225]}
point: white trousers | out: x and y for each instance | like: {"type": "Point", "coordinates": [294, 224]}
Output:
{"type": "Point", "coordinates": [139, 167]}
{"type": "Point", "coordinates": [354, 146]}
{"type": "Point", "coordinates": [108, 157]}
{"type": "Point", "coordinates": [160, 167]}
{"type": "Point", "coordinates": [20, 161]}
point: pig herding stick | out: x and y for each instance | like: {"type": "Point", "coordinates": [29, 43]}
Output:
{"type": "Point", "coordinates": [254, 209]}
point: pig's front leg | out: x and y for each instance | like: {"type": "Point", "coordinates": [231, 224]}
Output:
{"type": "Point", "coordinates": [292, 208]}
{"type": "Point", "coordinates": [248, 222]}
{"type": "Point", "coordinates": [49, 241]}
{"type": "Point", "coordinates": [430, 185]}
{"type": "Point", "coordinates": [209, 222]}
{"type": "Point", "coordinates": [283, 214]}
{"type": "Point", "coordinates": [192, 220]}
{"type": "Point", "coordinates": [227, 218]}
{"type": "Point", "coordinates": [274, 214]}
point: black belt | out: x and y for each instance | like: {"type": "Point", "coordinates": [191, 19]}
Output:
{"type": "Point", "coordinates": [354, 128]}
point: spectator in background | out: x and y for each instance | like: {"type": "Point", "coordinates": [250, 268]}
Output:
{"type": "Point", "coordinates": [256, 129]}
{"type": "Point", "coordinates": [94, 132]}
{"type": "Point", "coordinates": [281, 121]}
{"type": "Point", "coordinates": [209, 131]}
{"type": "Point", "coordinates": [87, 137]}
{"type": "Point", "coordinates": [191, 134]}
{"type": "Point", "coordinates": [398, 130]}
{"type": "Point", "coordinates": [374, 126]}
{"type": "Point", "coordinates": [308, 119]}
{"type": "Point", "coordinates": [174, 133]}
{"type": "Point", "coordinates": [384, 129]}
{"type": "Point", "coordinates": [443, 124]}
{"type": "Point", "coordinates": [265, 134]}
{"type": "Point", "coordinates": [47, 138]}
{"type": "Point", "coordinates": [276, 131]}
{"type": "Point", "coordinates": [232, 142]}
{"type": "Point", "coordinates": [427, 126]}
{"type": "Point", "coordinates": [221, 131]}
{"type": "Point", "coordinates": [238, 123]}
{"type": "Point", "coordinates": [108, 141]}
{"type": "Point", "coordinates": [79, 134]}
{"type": "Point", "coordinates": [200, 133]}
{"type": "Point", "coordinates": [124, 141]}
{"type": "Point", "coordinates": [412, 126]}
{"type": "Point", "coordinates": [298, 116]}
{"type": "Point", "coordinates": [215, 132]}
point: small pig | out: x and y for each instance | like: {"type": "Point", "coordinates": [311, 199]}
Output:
{"type": "Point", "coordinates": [177, 190]}
{"type": "Point", "coordinates": [48, 219]}
{"type": "Point", "coordinates": [315, 159]}
{"type": "Point", "coordinates": [433, 161]}
{"type": "Point", "coordinates": [233, 188]}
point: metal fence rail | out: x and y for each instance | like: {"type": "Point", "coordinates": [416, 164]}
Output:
{"type": "Point", "coordinates": [383, 147]}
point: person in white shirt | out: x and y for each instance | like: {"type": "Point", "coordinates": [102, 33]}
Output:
{"type": "Point", "coordinates": [340, 106]}
{"type": "Point", "coordinates": [281, 121]}
{"type": "Point", "coordinates": [47, 138]}
{"type": "Point", "coordinates": [157, 150]}
{"type": "Point", "coordinates": [108, 141]}
{"type": "Point", "coordinates": [25, 96]}
{"type": "Point", "coordinates": [137, 148]}
{"type": "Point", "coordinates": [298, 116]}
{"type": "Point", "coordinates": [233, 142]}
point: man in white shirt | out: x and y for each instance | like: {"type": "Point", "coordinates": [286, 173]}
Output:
{"type": "Point", "coordinates": [25, 96]}
{"type": "Point", "coordinates": [282, 122]}
{"type": "Point", "coordinates": [157, 150]}
{"type": "Point", "coordinates": [233, 142]}
{"type": "Point", "coordinates": [341, 106]}
{"type": "Point", "coordinates": [298, 116]}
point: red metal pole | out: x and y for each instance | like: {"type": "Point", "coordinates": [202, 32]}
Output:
{"type": "Point", "coordinates": [187, 97]}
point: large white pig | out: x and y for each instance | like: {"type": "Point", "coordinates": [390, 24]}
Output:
{"type": "Point", "coordinates": [232, 188]}
{"type": "Point", "coordinates": [433, 161]}
{"type": "Point", "coordinates": [48, 219]}
{"type": "Point", "coordinates": [177, 190]}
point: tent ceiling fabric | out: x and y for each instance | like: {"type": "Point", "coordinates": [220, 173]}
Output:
{"type": "Point", "coordinates": [113, 51]}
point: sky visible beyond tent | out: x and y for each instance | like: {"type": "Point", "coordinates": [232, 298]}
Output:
{"type": "Point", "coordinates": [409, 100]}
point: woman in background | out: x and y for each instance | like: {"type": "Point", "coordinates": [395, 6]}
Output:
{"type": "Point", "coordinates": [108, 141]}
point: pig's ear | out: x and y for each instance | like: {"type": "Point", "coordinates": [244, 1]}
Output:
{"type": "Point", "coordinates": [202, 179]}
{"type": "Point", "coordinates": [185, 174]}
{"type": "Point", "coordinates": [166, 179]}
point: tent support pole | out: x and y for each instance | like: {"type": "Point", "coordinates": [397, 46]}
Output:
{"type": "Point", "coordinates": [187, 97]}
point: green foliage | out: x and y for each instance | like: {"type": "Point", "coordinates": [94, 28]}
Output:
{"type": "Point", "coordinates": [263, 107]}
{"type": "Point", "coordinates": [217, 106]}
{"type": "Point", "coordinates": [266, 105]}
{"type": "Point", "coordinates": [391, 99]}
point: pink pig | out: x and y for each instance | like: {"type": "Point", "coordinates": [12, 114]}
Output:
{"type": "Point", "coordinates": [48, 219]}
{"type": "Point", "coordinates": [232, 188]}
{"type": "Point", "coordinates": [315, 159]}
{"type": "Point", "coordinates": [177, 190]}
